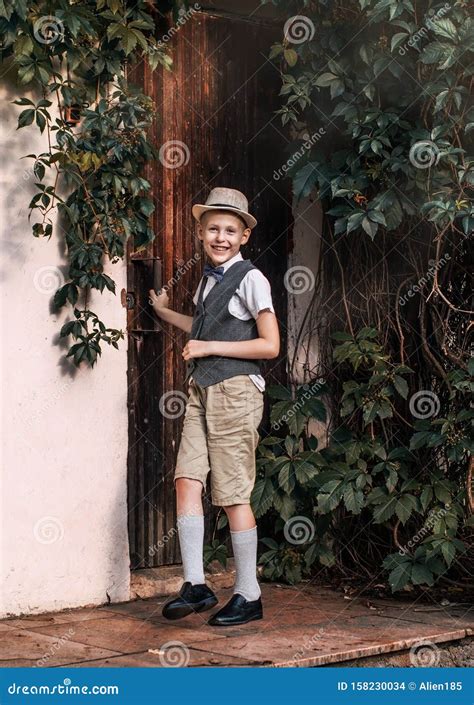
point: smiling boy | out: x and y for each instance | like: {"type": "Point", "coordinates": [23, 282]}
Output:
{"type": "Point", "coordinates": [234, 327]}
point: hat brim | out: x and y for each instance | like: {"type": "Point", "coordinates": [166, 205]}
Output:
{"type": "Point", "coordinates": [198, 209]}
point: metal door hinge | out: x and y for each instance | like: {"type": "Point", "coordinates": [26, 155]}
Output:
{"type": "Point", "coordinates": [128, 299]}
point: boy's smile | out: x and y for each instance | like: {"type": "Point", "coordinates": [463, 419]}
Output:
{"type": "Point", "coordinates": [222, 234]}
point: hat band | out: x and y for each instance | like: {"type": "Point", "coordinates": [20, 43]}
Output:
{"type": "Point", "coordinates": [226, 205]}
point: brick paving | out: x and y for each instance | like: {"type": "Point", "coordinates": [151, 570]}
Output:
{"type": "Point", "coordinates": [302, 626]}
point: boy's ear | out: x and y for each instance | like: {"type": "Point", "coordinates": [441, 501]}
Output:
{"type": "Point", "coordinates": [245, 235]}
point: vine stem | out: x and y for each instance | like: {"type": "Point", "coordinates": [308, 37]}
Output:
{"type": "Point", "coordinates": [436, 288]}
{"type": "Point", "coordinates": [397, 318]}
{"type": "Point", "coordinates": [470, 473]}
{"type": "Point", "coordinates": [343, 287]}
{"type": "Point", "coordinates": [395, 535]}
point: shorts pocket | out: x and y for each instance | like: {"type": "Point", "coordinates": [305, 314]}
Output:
{"type": "Point", "coordinates": [235, 387]}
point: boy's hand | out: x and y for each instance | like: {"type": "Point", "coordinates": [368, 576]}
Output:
{"type": "Point", "coordinates": [160, 300]}
{"type": "Point", "coordinates": [196, 348]}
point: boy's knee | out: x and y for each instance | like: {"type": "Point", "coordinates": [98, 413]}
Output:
{"type": "Point", "coordinates": [185, 486]}
{"type": "Point", "coordinates": [232, 509]}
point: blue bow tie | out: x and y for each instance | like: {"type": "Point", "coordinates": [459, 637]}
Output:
{"type": "Point", "coordinates": [216, 272]}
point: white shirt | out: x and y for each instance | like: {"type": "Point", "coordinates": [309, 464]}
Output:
{"type": "Point", "coordinates": [252, 296]}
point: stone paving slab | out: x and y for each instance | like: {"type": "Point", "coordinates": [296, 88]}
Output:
{"type": "Point", "coordinates": [313, 645]}
{"type": "Point", "coordinates": [128, 635]}
{"type": "Point", "coordinates": [351, 648]}
{"type": "Point", "coordinates": [448, 616]}
{"type": "Point", "coordinates": [51, 618]}
{"type": "Point", "coordinates": [302, 626]}
{"type": "Point", "coordinates": [24, 648]}
{"type": "Point", "coordinates": [191, 658]}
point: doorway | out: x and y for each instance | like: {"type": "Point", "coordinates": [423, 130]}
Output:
{"type": "Point", "coordinates": [216, 126]}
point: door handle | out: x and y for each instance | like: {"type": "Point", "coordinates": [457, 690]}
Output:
{"type": "Point", "coordinates": [157, 275]}
{"type": "Point", "coordinates": [139, 298]}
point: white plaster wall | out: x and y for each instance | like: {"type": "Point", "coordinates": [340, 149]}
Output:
{"type": "Point", "coordinates": [63, 524]}
{"type": "Point", "coordinates": [303, 259]}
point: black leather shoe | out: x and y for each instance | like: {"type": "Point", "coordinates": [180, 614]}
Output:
{"type": "Point", "coordinates": [192, 598]}
{"type": "Point", "coordinates": [237, 611]}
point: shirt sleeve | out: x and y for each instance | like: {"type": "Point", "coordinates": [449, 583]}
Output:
{"type": "Point", "coordinates": [255, 292]}
{"type": "Point", "coordinates": [196, 293]}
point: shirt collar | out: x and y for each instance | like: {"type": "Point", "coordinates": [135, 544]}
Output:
{"type": "Point", "coordinates": [231, 261]}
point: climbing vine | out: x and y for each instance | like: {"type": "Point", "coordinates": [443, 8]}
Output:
{"type": "Point", "coordinates": [375, 95]}
{"type": "Point", "coordinates": [74, 58]}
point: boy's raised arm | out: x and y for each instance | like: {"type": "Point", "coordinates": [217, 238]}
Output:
{"type": "Point", "coordinates": [265, 347]}
{"type": "Point", "coordinates": [160, 303]}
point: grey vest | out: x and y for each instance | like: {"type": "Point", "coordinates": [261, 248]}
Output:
{"type": "Point", "coordinates": [212, 321]}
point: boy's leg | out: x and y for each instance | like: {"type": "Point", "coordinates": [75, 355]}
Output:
{"type": "Point", "coordinates": [192, 467]}
{"type": "Point", "coordinates": [243, 532]}
{"type": "Point", "coordinates": [233, 414]}
{"type": "Point", "coordinates": [190, 523]}
{"type": "Point", "coordinates": [195, 595]}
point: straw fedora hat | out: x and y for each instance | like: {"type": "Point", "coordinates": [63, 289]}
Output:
{"type": "Point", "coordinates": [228, 199]}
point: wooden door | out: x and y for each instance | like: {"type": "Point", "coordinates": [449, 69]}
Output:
{"type": "Point", "coordinates": [216, 127]}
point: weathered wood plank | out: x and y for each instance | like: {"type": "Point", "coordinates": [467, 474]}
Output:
{"type": "Point", "coordinates": [218, 102]}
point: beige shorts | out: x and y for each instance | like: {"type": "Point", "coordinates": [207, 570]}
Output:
{"type": "Point", "coordinates": [220, 435]}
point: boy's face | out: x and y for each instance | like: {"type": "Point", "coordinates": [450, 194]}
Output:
{"type": "Point", "coordinates": [222, 234]}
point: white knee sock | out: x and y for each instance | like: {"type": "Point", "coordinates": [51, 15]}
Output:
{"type": "Point", "coordinates": [191, 541]}
{"type": "Point", "coordinates": [244, 545]}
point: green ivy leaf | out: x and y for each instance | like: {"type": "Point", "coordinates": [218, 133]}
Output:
{"type": "Point", "coordinates": [421, 574]}
{"type": "Point", "coordinates": [400, 576]}
{"type": "Point", "coordinates": [26, 117]}
{"type": "Point", "coordinates": [291, 57]}
{"type": "Point", "coordinates": [325, 80]}
{"type": "Point", "coordinates": [404, 507]}
{"type": "Point", "coordinates": [262, 496]}
{"type": "Point", "coordinates": [401, 386]}
{"type": "Point", "coordinates": [353, 499]}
